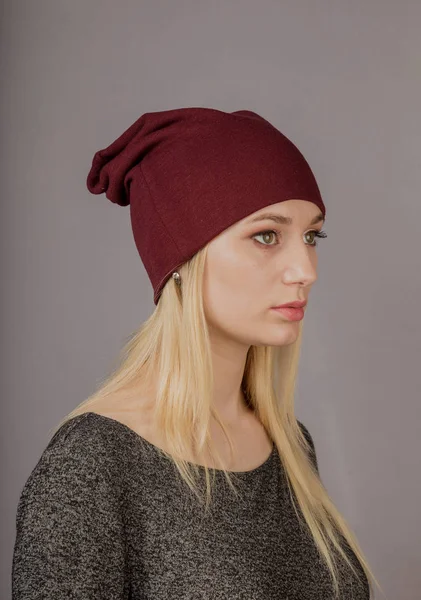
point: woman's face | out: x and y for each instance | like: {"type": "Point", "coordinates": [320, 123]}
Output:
{"type": "Point", "coordinates": [248, 272]}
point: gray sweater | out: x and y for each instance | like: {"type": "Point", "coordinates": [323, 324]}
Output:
{"type": "Point", "coordinates": [103, 515]}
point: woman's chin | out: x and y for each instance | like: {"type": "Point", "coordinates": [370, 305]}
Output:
{"type": "Point", "coordinates": [283, 337]}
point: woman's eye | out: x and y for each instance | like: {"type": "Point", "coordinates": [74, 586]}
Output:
{"type": "Point", "coordinates": [266, 234]}
{"type": "Point", "coordinates": [319, 234]}
{"type": "Point", "coordinates": [269, 233]}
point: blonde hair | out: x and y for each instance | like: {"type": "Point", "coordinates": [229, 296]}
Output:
{"type": "Point", "coordinates": [174, 344]}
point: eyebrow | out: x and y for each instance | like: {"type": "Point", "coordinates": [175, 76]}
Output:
{"type": "Point", "coordinates": [283, 220]}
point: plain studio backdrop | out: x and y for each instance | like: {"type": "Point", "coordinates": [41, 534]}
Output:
{"type": "Point", "coordinates": [343, 81]}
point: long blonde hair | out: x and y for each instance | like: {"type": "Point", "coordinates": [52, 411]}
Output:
{"type": "Point", "coordinates": [174, 344]}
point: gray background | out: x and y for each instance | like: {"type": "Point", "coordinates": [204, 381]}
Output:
{"type": "Point", "coordinates": [342, 79]}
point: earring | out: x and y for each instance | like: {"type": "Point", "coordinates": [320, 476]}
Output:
{"type": "Point", "coordinates": [176, 277]}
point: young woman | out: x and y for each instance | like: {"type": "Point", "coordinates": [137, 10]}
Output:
{"type": "Point", "coordinates": [186, 474]}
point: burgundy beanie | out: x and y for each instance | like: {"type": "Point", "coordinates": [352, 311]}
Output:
{"type": "Point", "coordinates": [190, 173]}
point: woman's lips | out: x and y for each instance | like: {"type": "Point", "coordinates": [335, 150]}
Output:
{"type": "Point", "coordinates": [293, 314]}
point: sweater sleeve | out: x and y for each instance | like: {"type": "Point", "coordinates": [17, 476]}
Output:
{"type": "Point", "coordinates": [70, 540]}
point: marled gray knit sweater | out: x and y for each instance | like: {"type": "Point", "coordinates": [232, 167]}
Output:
{"type": "Point", "coordinates": [103, 515]}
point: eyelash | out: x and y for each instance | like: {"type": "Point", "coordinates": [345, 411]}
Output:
{"type": "Point", "coordinates": [319, 234]}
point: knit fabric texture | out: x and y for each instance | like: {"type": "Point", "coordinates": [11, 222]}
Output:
{"type": "Point", "coordinates": [104, 515]}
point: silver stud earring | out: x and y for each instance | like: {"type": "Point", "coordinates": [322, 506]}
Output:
{"type": "Point", "coordinates": [177, 278]}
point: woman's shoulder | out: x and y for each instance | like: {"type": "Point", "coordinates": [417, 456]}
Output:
{"type": "Point", "coordinates": [86, 433]}
{"type": "Point", "coordinates": [85, 451]}
{"type": "Point", "coordinates": [70, 514]}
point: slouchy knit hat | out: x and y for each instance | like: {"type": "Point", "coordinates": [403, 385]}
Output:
{"type": "Point", "coordinates": [190, 173]}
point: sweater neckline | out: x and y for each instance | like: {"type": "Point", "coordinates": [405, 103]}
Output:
{"type": "Point", "coordinates": [158, 451]}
